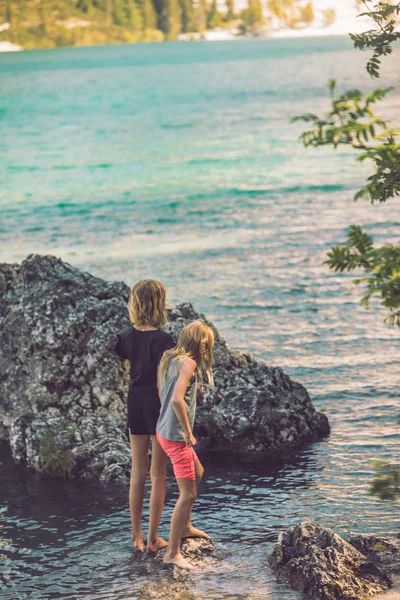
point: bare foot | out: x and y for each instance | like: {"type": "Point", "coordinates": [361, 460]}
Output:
{"type": "Point", "coordinates": [193, 532]}
{"type": "Point", "coordinates": [137, 544]}
{"type": "Point", "coordinates": [177, 560]}
{"type": "Point", "coordinates": [156, 545]}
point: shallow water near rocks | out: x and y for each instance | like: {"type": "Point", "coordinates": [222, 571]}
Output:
{"type": "Point", "coordinates": [178, 162]}
{"type": "Point", "coordinates": [72, 539]}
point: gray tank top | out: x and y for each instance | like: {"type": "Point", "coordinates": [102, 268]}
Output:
{"type": "Point", "coordinates": [168, 425]}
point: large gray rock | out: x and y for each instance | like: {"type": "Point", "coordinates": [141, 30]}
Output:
{"type": "Point", "coordinates": [63, 390]}
{"type": "Point", "coordinates": [318, 562]}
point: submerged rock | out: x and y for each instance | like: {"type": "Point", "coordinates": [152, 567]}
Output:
{"type": "Point", "coordinates": [169, 588]}
{"type": "Point", "coordinates": [168, 582]}
{"type": "Point", "coordinates": [63, 390]}
{"type": "Point", "coordinates": [197, 551]}
{"type": "Point", "coordinates": [318, 562]}
{"type": "Point", "coordinates": [196, 548]}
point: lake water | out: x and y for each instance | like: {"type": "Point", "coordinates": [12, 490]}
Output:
{"type": "Point", "coordinates": [178, 161]}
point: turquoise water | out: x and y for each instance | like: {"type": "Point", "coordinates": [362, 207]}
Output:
{"type": "Point", "coordinates": [178, 161]}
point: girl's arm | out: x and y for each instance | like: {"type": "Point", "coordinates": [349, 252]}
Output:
{"type": "Point", "coordinates": [178, 398]}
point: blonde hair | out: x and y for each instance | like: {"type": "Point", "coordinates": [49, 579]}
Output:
{"type": "Point", "coordinates": [146, 305]}
{"type": "Point", "coordinates": [196, 341]}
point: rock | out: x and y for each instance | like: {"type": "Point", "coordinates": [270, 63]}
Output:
{"type": "Point", "coordinates": [383, 552]}
{"type": "Point", "coordinates": [196, 551]}
{"type": "Point", "coordinates": [173, 583]}
{"type": "Point", "coordinates": [318, 562]}
{"type": "Point", "coordinates": [63, 389]}
{"type": "Point", "coordinates": [169, 586]}
{"type": "Point", "coordinates": [196, 548]}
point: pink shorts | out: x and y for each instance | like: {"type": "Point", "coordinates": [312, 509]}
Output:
{"type": "Point", "coordinates": [181, 457]}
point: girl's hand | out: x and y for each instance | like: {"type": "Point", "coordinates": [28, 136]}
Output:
{"type": "Point", "coordinates": [190, 440]}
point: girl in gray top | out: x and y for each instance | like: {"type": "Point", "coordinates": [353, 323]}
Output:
{"type": "Point", "coordinates": [181, 368]}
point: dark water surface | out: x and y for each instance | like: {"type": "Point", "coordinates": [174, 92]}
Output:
{"type": "Point", "coordinates": [178, 161]}
{"type": "Point", "coordinates": [72, 539]}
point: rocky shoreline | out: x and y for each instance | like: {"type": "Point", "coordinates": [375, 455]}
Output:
{"type": "Point", "coordinates": [62, 388]}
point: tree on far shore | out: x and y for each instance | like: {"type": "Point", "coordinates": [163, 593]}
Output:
{"type": "Point", "coordinates": [252, 16]}
{"type": "Point", "coordinates": [169, 18]}
{"type": "Point", "coordinates": [44, 17]}
{"type": "Point", "coordinates": [200, 16]}
{"type": "Point", "coordinates": [149, 15]}
{"type": "Point", "coordinates": [188, 19]}
{"type": "Point", "coordinates": [109, 11]}
{"type": "Point", "coordinates": [86, 6]}
{"type": "Point", "coordinates": [307, 15]}
{"type": "Point", "coordinates": [328, 16]}
{"type": "Point", "coordinates": [292, 13]}
{"type": "Point", "coordinates": [214, 17]}
{"type": "Point", "coordinates": [280, 8]}
{"type": "Point", "coordinates": [9, 13]}
{"type": "Point", "coordinates": [230, 10]}
{"type": "Point", "coordinates": [128, 14]}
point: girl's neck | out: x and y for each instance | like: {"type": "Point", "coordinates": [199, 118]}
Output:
{"type": "Point", "coordinates": [145, 327]}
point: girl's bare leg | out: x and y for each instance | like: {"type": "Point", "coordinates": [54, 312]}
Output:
{"type": "Point", "coordinates": [187, 496]}
{"type": "Point", "coordinates": [158, 472]}
{"type": "Point", "coordinates": [189, 530]}
{"type": "Point", "coordinates": [139, 450]}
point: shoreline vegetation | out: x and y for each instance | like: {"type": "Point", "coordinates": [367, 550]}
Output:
{"type": "Point", "coordinates": [29, 24]}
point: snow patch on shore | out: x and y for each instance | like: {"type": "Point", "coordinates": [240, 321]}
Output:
{"type": "Point", "coordinates": [346, 21]}
{"type": "Point", "coordinates": [9, 47]}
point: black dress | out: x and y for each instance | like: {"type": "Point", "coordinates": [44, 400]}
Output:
{"type": "Point", "coordinates": [144, 350]}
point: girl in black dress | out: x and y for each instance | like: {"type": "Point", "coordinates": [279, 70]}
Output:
{"type": "Point", "coordinates": [143, 344]}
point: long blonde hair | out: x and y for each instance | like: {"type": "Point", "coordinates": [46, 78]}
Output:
{"type": "Point", "coordinates": [196, 340]}
{"type": "Point", "coordinates": [146, 305]}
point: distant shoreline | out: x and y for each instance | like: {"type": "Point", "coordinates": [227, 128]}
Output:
{"type": "Point", "coordinates": [327, 19]}
{"type": "Point", "coordinates": [209, 36]}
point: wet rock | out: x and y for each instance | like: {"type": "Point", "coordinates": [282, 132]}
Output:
{"type": "Point", "coordinates": [195, 548]}
{"type": "Point", "coordinates": [197, 551]}
{"type": "Point", "coordinates": [167, 586]}
{"type": "Point", "coordinates": [63, 390]}
{"type": "Point", "coordinates": [318, 562]}
{"type": "Point", "coordinates": [383, 552]}
{"type": "Point", "coordinates": [176, 582]}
